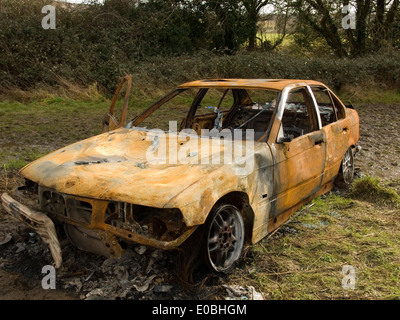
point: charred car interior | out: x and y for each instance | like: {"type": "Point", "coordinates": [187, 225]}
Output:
{"type": "Point", "coordinates": [105, 192]}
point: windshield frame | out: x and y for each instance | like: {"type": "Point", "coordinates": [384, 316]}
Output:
{"type": "Point", "coordinates": [238, 93]}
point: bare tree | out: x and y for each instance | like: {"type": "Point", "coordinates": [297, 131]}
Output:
{"type": "Point", "coordinates": [374, 23]}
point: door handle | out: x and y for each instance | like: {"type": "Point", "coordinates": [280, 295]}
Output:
{"type": "Point", "coordinates": [317, 142]}
{"type": "Point", "coordinates": [317, 138]}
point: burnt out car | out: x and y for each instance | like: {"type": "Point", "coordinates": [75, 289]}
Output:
{"type": "Point", "coordinates": [231, 160]}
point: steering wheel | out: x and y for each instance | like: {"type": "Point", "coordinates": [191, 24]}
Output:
{"type": "Point", "coordinates": [110, 123]}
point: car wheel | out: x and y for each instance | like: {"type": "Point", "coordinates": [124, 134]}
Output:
{"type": "Point", "coordinates": [224, 238]}
{"type": "Point", "coordinates": [347, 169]}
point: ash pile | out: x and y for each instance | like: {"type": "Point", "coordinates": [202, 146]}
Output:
{"type": "Point", "coordinates": [142, 273]}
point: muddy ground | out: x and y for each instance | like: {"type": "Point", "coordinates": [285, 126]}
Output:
{"type": "Point", "coordinates": [149, 274]}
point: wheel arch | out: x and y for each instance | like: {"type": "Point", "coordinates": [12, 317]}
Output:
{"type": "Point", "coordinates": [241, 201]}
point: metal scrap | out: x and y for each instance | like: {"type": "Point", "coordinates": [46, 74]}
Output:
{"type": "Point", "coordinates": [5, 239]}
{"type": "Point", "coordinates": [236, 292]}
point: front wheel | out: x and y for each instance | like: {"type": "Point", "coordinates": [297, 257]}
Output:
{"type": "Point", "coordinates": [224, 238]}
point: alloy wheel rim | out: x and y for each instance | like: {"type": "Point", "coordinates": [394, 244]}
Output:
{"type": "Point", "coordinates": [225, 239]}
{"type": "Point", "coordinates": [348, 167]}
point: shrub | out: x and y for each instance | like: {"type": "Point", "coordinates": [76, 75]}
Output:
{"type": "Point", "coordinates": [97, 43]}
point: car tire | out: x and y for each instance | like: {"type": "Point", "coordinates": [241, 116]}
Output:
{"type": "Point", "coordinates": [224, 238]}
{"type": "Point", "coordinates": [346, 173]}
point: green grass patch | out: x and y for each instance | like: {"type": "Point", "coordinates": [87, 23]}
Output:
{"type": "Point", "coordinates": [18, 158]}
{"type": "Point", "coordinates": [31, 130]}
{"type": "Point", "coordinates": [370, 95]}
{"type": "Point", "coordinates": [371, 189]}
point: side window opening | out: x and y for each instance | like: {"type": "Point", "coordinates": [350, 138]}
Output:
{"type": "Point", "coordinates": [212, 109]}
{"type": "Point", "coordinates": [172, 107]}
{"type": "Point", "coordinates": [233, 109]}
{"type": "Point", "coordinates": [298, 117]}
{"type": "Point", "coordinates": [340, 111]}
{"type": "Point", "coordinates": [254, 111]}
{"type": "Point", "coordinates": [326, 105]}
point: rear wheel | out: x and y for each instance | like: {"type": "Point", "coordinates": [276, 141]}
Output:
{"type": "Point", "coordinates": [224, 238]}
{"type": "Point", "coordinates": [346, 173]}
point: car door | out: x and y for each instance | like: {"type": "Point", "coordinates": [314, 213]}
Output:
{"type": "Point", "coordinates": [336, 128]}
{"type": "Point", "coordinates": [299, 146]}
{"type": "Point", "coordinates": [110, 120]}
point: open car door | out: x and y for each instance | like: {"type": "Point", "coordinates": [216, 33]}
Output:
{"type": "Point", "coordinates": [110, 123]}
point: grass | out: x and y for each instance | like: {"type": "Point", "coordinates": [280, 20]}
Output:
{"type": "Point", "coordinates": [273, 37]}
{"type": "Point", "coordinates": [305, 258]}
{"type": "Point", "coordinates": [371, 189]}
{"type": "Point", "coordinates": [369, 95]}
{"type": "Point", "coordinates": [20, 158]}
{"type": "Point", "coordinates": [33, 129]}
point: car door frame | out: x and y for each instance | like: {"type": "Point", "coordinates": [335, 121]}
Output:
{"type": "Point", "coordinates": [337, 138]}
{"type": "Point", "coordinates": [289, 196]}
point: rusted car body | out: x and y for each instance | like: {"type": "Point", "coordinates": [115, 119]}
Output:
{"type": "Point", "coordinates": [105, 190]}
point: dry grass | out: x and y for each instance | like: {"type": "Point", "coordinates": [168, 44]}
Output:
{"type": "Point", "coordinates": [64, 89]}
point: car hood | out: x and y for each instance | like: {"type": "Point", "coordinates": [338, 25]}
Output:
{"type": "Point", "coordinates": [114, 166]}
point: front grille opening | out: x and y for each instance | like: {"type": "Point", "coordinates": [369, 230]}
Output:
{"type": "Point", "coordinates": [29, 186]}
{"type": "Point", "coordinates": [79, 211]}
{"type": "Point", "coordinates": [120, 215]}
{"type": "Point", "coordinates": [53, 203]}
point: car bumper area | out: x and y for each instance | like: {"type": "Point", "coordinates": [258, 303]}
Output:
{"type": "Point", "coordinates": [96, 226]}
{"type": "Point", "coordinates": [38, 221]}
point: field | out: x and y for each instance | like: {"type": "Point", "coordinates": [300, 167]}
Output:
{"type": "Point", "coordinates": [357, 226]}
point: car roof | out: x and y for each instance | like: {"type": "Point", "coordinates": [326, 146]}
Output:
{"type": "Point", "coordinates": [272, 84]}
